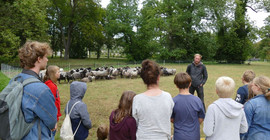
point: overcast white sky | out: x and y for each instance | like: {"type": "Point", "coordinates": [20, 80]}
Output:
{"type": "Point", "coordinates": [258, 17]}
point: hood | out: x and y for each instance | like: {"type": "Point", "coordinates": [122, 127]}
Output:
{"type": "Point", "coordinates": [229, 107]}
{"type": "Point", "coordinates": [116, 126]}
{"type": "Point", "coordinates": [77, 90]}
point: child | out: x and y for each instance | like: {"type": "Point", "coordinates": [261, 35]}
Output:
{"type": "Point", "coordinates": [122, 124]}
{"type": "Point", "coordinates": [79, 115]}
{"type": "Point", "coordinates": [50, 79]}
{"type": "Point", "coordinates": [242, 92]}
{"type": "Point", "coordinates": [102, 132]}
{"type": "Point", "coordinates": [188, 111]}
{"type": "Point", "coordinates": [257, 110]}
{"type": "Point", "coordinates": [225, 118]}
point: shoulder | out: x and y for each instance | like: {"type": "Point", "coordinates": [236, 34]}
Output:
{"type": "Point", "coordinates": [167, 94]}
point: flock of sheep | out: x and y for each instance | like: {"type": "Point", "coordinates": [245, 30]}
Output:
{"type": "Point", "coordinates": [89, 74]}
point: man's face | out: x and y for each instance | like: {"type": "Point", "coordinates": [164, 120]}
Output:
{"type": "Point", "coordinates": [197, 59]}
{"type": "Point", "coordinates": [43, 62]}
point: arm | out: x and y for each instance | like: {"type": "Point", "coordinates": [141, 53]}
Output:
{"type": "Point", "coordinates": [244, 124]}
{"type": "Point", "coordinates": [205, 75]}
{"type": "Point", "coordinates": [188, 69]}
{"type": "Point", "coordinates": [134, 110]}
{"type": "Point", "coordinates": [240, 96]}
{"type": "Point", "coordinates": [45, 108]}
{"type": "Point", "coordinates": [133, 128]}
{"type": "Point", "coordinates": [84, 115]}
{"type": "Point", "coordinates": [201, 120]}
{"type": "Point", "coordinates": [249, 111]}
{"type": "Point", "coordinates": [209, 122]}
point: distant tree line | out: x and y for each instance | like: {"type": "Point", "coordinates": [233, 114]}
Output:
{"type": "Point", "coordinates": [162, 30]}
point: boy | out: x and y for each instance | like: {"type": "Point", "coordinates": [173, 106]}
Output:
{"type": "Point", "coordinates": [225, 118]}
{"type": "Point", "coordinates": [242, 92]}
{"type": "Point", "coordinates": [188, 111]}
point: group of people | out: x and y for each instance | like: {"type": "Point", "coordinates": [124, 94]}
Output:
{"type": "Point", "coordinates": [149, 115]}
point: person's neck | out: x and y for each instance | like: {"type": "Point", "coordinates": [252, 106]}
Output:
{"type": "Point", "coordinates": [153, 90]}
{"type": "Point", "coordinates": [245, 83]}
{"type": "Point", "coordinates": [184, 91]}
{"type": "Point", "coordinates": [153, 86]}
{"type": "Point", "coordinates": [35, 69]}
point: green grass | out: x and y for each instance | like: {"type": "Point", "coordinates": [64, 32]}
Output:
{"type": "Point", "coordinates": [3, 81]}
{"type": "Point", "coordinates": [102, 96]}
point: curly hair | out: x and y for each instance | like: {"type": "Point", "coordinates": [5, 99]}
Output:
{"type": "Point", "coordinates": [30, 51]}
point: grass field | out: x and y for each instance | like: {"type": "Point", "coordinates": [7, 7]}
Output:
{"type": "Point", "coordinates": [102, 96]}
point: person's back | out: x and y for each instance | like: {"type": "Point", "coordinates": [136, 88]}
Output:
{"type": "Point", "coordinates": [152, 115]}
{"type": "Point", "coordinates": [122, 124]}
{"type": "Point", "coordinates": [188, 111]}
{"type": "Point", "coordinates": [152, 109]}
{"type": "Point", "coordinates": [37, 101]}
{"type": "Point", "coordinates": [79, 115]}
{"type": "Point", "coordinates": [242, 92]}
{"type": "Point", "coordinates": [225, 118]}
{"type": "Point", "coordinates": [257, 110]}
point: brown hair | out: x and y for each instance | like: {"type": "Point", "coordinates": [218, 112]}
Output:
{"type": "Point", "coordinates": [182, 80]}
{"type": "Point", "coordinates": [124, 107]}
{"type": "Point", "coordinates": [50, 73]}
{"type": "Point", "coordinates": [249, 75]}
{"type": "Point", "coordinates": [150, 72]}
{"type": "Point", "coordinates": [102, 132]}
{"type": "Point", "coordinates": [30, 52]}
{"type": "Point", "coordinates": [263, 83]}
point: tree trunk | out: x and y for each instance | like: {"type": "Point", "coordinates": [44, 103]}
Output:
{"type": "Point", "coordinates": [108, 56]}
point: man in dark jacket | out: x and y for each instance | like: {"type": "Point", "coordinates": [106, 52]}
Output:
{"type": "Point", "coordinates": [198, 74]}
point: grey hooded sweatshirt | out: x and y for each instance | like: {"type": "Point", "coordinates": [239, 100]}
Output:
{"type": "Point", "coordinates": [198, 74]}
{"type": "Point", "coordinates": [225, 119]}
{"type": "Point", "coordinates": [77, 91]}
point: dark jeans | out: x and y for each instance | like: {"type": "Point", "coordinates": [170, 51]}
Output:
{"type": "Point", "coordinates": [199, 91]}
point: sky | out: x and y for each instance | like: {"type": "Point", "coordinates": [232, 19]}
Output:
{"type": "Point", "coordinates": [257, 18]}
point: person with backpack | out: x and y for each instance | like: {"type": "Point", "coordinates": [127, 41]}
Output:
{"type": "Point", "coordinates": [37, 102]}
{"type": "Point", "coordinates": [50, 79]}
{"type": "Point", "coordinates": [78, 113]}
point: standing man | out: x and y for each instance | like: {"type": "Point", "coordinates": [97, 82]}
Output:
{"type": "Point", "coordinates": [37, 101]}
{"type": "Point", "coordinates": [198, 74]}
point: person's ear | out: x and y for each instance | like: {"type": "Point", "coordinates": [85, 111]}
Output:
{"type": "Point", "coordinates": [39, 59]}
{"type": "Point", "coordinates": [189, 85]}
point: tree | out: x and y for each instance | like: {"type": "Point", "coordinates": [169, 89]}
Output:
{"type": "Point", "coordinates": [70, 13]}
{"type": "Point", "coordinates": [21, 21]}
{"type": "Point", "coordinates": [121, 25]}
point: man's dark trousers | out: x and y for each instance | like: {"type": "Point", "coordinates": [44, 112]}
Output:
{"type": "Point", "coordinates": [199, 91]}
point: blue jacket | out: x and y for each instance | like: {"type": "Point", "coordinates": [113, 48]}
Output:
{"type": "Point", "coordinates": [79, 112]}
{"type": "Point", "coordinates": [258, 118]}
{"type": "Point", "coordinates": [38, 103]}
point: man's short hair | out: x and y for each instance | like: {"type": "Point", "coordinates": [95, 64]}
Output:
{"type": "Point", "coordinates": [182, 80]}
{"type": "Point", "coordinates": [197, 55]}
{"type": "Point", "coordinates": [30, 52]}
{"type": "Point", "coordinates": [249, 75]}
{"type": "Point", "coordinates": [225, 87]}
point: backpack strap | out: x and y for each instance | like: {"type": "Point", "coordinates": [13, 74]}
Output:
{"type": "Point", "coordinates": [69, 114]}
{"type": "Point", "coordinates": [72, 107]}
{"type": "Point", "coordinates": [30, 80]}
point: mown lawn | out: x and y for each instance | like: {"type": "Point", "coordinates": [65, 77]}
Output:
{"type": "Point", "coordinates": [102, 96]}
{"type": "Point", "coordinates": [3, 81]}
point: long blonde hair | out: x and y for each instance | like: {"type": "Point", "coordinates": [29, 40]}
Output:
{"type": "Point", "coordinates": [263, 83]}
{"type": "Point", "coordinates": [50, 73]}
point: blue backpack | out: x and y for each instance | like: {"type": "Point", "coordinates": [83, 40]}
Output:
{"type": "Point", "coordinates": [13, 125]}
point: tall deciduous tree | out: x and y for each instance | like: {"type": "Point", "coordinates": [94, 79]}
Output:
{"type": "Point", "coordinates": [70, 13]}
{"type": "Point", "coordinates": [21, 21]}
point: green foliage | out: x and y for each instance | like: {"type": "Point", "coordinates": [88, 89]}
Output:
{"type": "Point", "coordinates": [21, 21]}
{"type": "Point", "coordinates": [4, 80]}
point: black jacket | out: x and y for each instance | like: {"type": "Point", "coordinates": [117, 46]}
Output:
{"type": "Point", "coordinates": [198, 74]}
